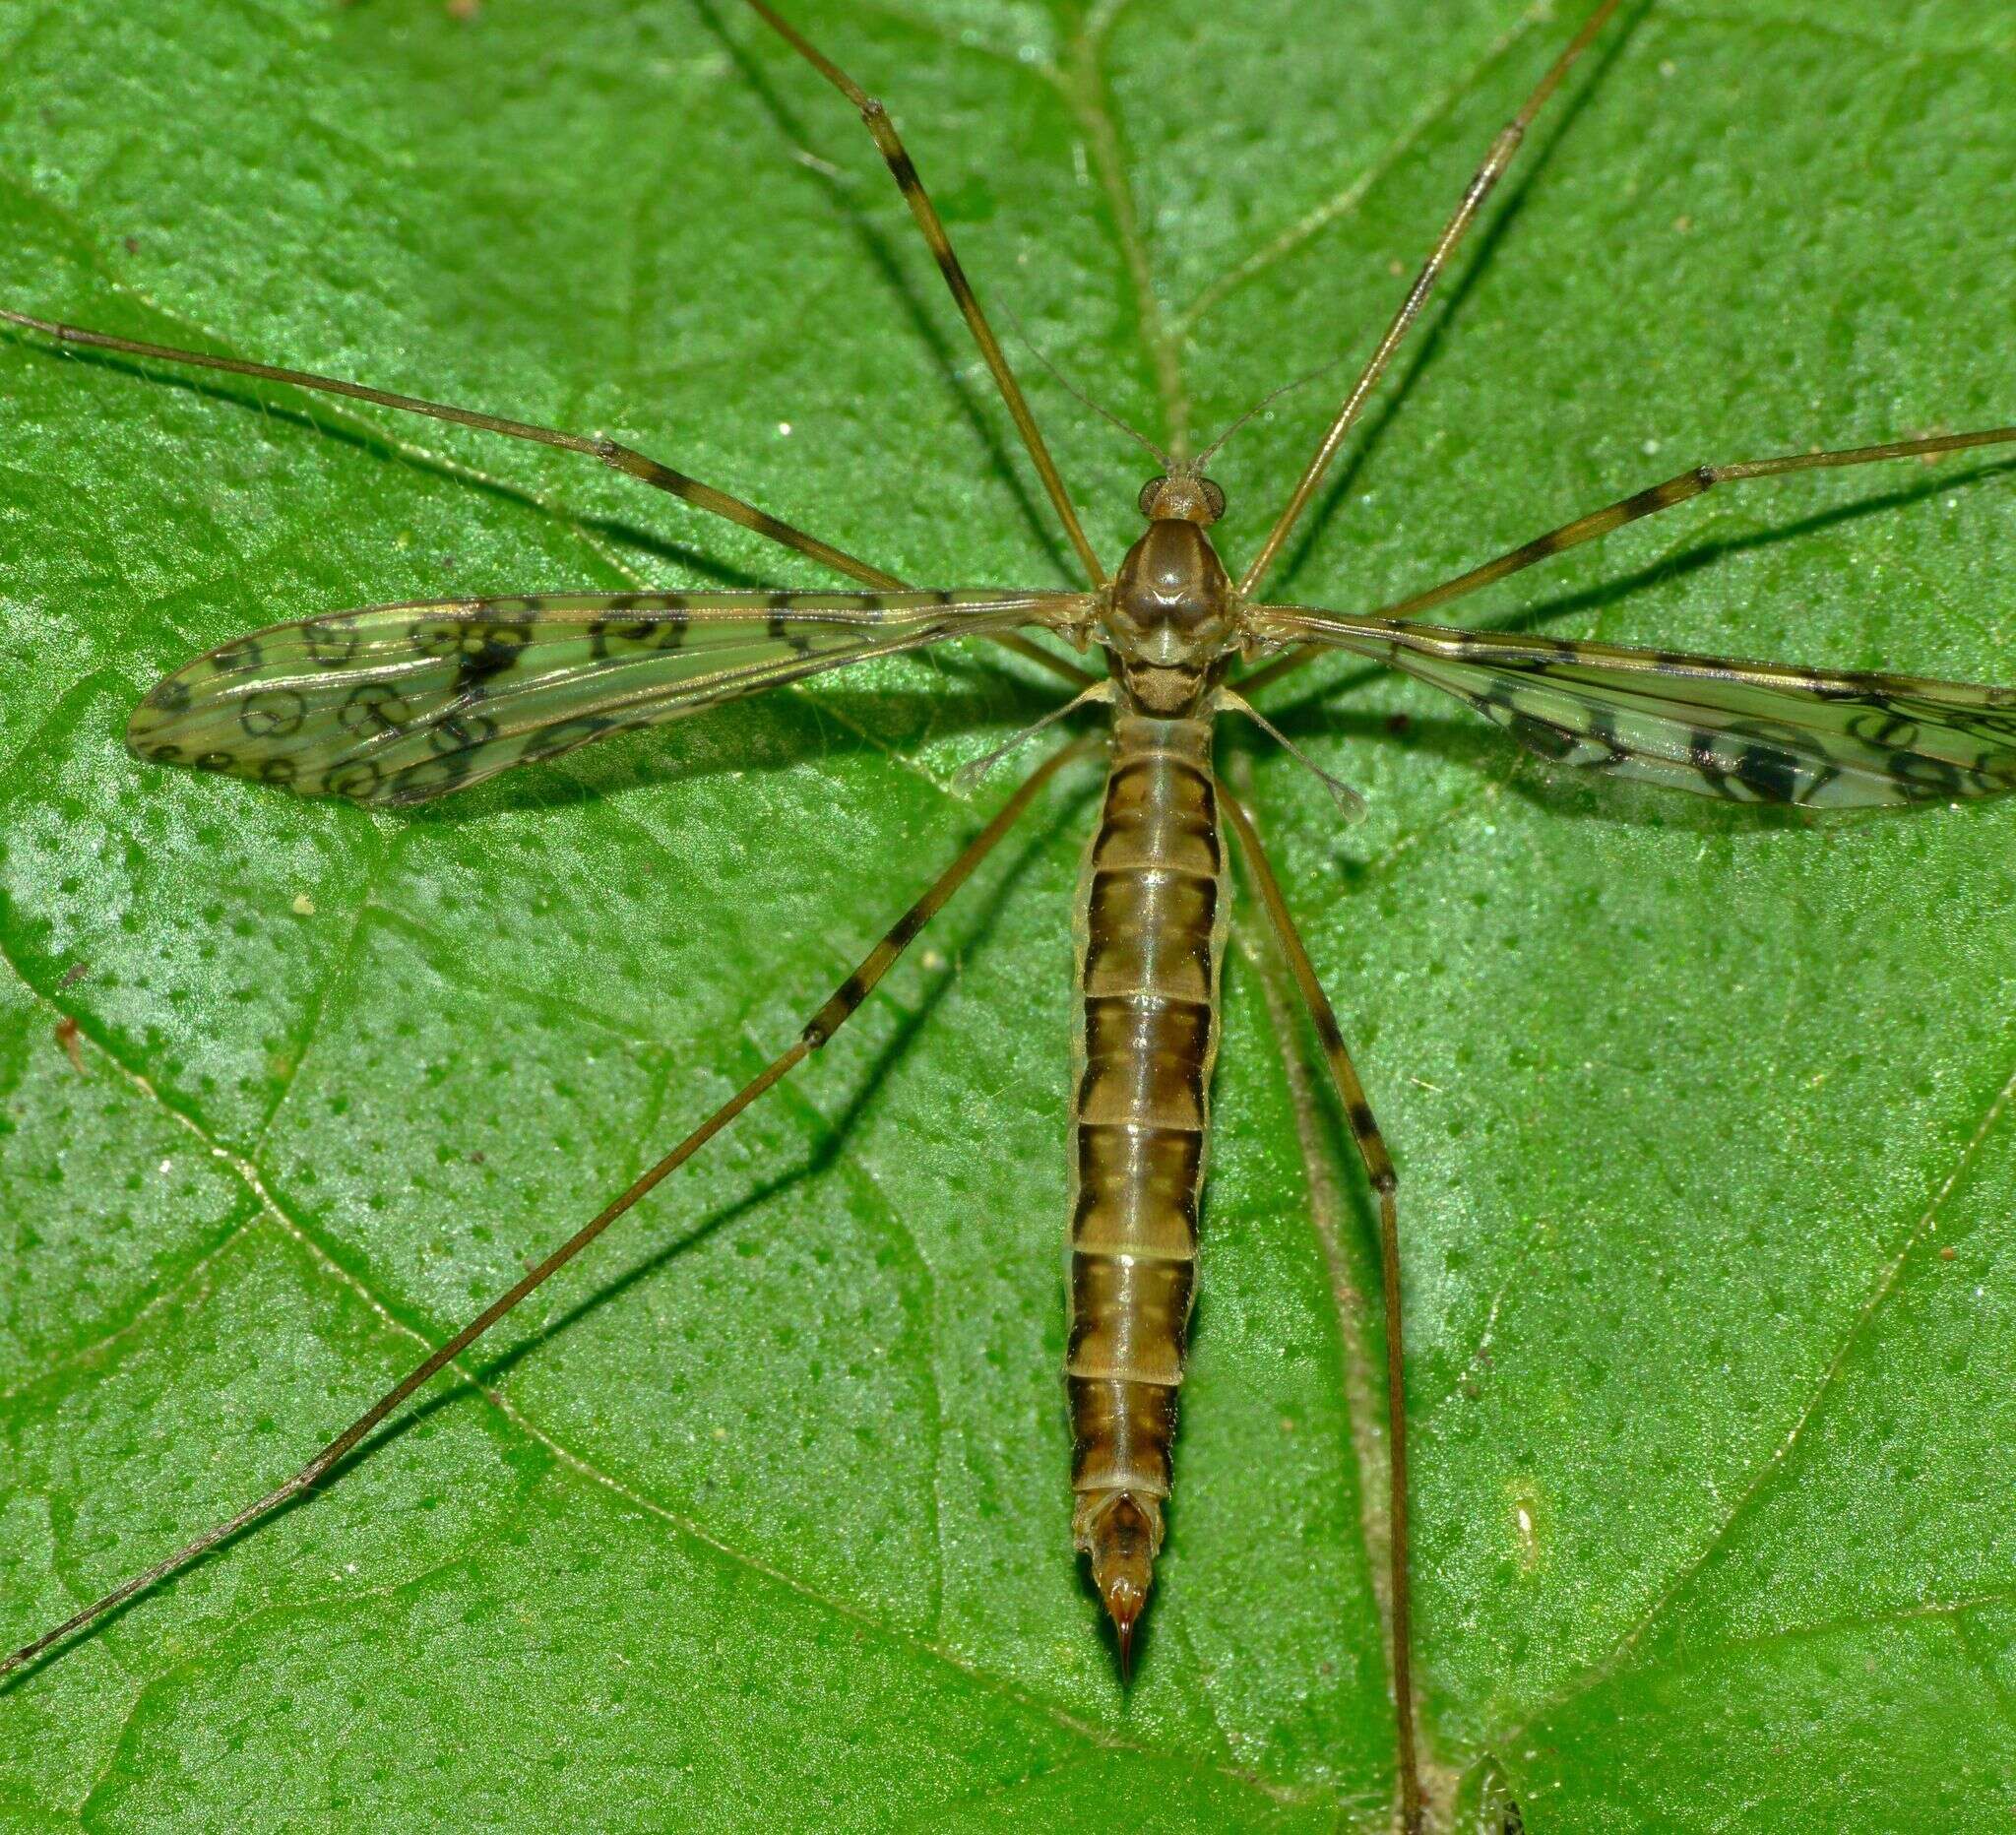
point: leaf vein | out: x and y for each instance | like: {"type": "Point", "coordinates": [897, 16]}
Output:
{"type": "Point", "coordinates": [1774, 1462]}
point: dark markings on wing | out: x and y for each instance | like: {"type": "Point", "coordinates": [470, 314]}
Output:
{"type": "Point", "coordinates": [1749, 733]}
{"type": "Point", "coordinates": [398, 704]}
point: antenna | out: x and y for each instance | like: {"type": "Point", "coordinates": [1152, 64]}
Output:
{"type": "Point", "coordinates": [1105, 414]}
{"type": "Point", "coordinates": [1266, 401]}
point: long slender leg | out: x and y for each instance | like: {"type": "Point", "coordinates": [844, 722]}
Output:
{"type": "Point", "coordinates": [1676, 490]}
{"type": "Point", "coordinates": [889, 145]}
{"type": "Point", "coordinates": [1379, 1164]}
{"type": "Point", "coordinates": [1503, 149]}
{"type": "Point", "coordinates": [621, 458]}
{"type": "Point", "coordinates": [820, 1028]}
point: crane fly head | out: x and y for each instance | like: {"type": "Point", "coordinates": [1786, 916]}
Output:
{"type": "Point", "coordinates": [1182, 495]}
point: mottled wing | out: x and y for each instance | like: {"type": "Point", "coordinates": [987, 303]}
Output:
{"type": "Point", "coordinates": [1751, 732]}
{"type": "Point", "coordinates": [397, 704]}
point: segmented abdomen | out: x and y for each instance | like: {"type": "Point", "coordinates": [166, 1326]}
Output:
{"type": "Point", "coordinates": [1150, 926]}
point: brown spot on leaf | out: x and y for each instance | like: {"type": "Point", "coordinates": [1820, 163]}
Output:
{"type": "Point", "coordinates": [67, 1038]}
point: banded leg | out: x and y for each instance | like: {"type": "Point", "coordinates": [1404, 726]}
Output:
{"type": "Point", "coordinates": [1378, 1164]}
{"type": "Point", "coordinates": [1676, 490]}
{"type": "Point", "coordinates": [1501, 155]}
{"type": "Point", "coordinates": [610, 452]}
{"type": "Point", "coordinates": [821, 1027]}
{"type": "Point", "coordinates": [620, 458]}
{"type": "Point", "coordinates": [887, 142]}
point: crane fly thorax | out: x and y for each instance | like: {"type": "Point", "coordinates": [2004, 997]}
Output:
{"type": "Point", "coordinates": [1170, 614]}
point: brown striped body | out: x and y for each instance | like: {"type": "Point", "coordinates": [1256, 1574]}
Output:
{"type": "Point", "coordinates": [1152, 907]}
{"type": "Point", "coordinates": [1151, 928]}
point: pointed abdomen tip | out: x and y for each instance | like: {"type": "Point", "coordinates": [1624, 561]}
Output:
{"type": "Point", "coordinates": [1123, 1537]}
{"type": "Point", "coordinates": [1124, 1627]}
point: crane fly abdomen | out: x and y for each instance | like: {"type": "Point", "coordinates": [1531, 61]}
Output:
{"type": "Point", "coordinates": [1151, 928]}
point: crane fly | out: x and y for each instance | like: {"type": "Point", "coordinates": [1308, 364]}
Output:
{"type": "Point", "coordinates": [397, 705]}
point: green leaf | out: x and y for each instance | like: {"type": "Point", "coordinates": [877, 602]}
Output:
{"type": "Point", "coordinates": [759, 1516]}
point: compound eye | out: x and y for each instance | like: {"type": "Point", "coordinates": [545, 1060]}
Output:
{"type": "Point", "coordinates": [1149, 493]}
{"type": "Point", "coordinates": [1214, 497]}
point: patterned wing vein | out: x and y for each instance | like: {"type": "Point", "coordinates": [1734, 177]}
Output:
{"type": "Point", "coordinates": [398, 704]}
{"type": "Point", "coordinates": [1748, 732]}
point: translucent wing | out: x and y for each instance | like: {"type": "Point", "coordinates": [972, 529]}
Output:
{"type": "Point", "coordinates": [1751, 732]}
{"type": "Point", "coordinates": [397, 704]}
